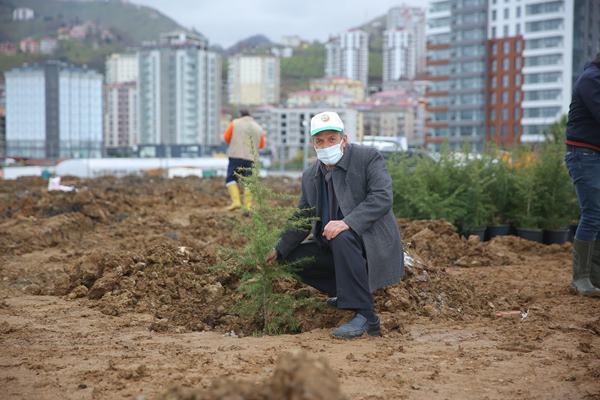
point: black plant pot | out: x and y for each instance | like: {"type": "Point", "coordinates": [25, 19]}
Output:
{"type": "Point", "coordinates": [475, 232]}
{"type": "Point", "coordinates": [556, 236]}
{"type": "Point", "coordinates": [572, 231]}
{"type": "Point", "coordinates": [535, 235]}
{"type": "Point", "coordinates": [497, 230]}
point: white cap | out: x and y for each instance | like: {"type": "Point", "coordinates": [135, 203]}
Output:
{"type": "Point", "coordinates": [326, 121]}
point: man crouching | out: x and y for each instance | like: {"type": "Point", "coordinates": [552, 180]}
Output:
{"type": "Point", "coordinates": [356, 246]}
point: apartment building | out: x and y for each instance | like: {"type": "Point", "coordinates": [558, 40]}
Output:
{"type": "Point", "coordinates": [347, 55]}
{"type": "Point", "coordinates": [253, 80]}
{"type": "Point", "coordinates": [53, 110]}
{"type": "Point", "coordinates": [179, 96]}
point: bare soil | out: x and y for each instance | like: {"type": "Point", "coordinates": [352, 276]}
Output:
{"type": "Point", "coordinates": [115, 292]}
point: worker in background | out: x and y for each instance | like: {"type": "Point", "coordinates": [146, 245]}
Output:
{"type": "Point", "coordinates": [583, 161]}
{"type": "Point", "coordinates": [244, 137]}
{"type": "Point", "coordinates": [356, 247]}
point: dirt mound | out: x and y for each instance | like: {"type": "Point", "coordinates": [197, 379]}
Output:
{"type": "Point", "coordinates": [26, 234]}
{"type": "Point", "coordinates": [297, 377]}
{"type": "Point", "coordinates": [438, 244]}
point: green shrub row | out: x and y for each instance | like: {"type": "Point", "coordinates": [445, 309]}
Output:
{"type": "Point", "coordinates": [528, 188]}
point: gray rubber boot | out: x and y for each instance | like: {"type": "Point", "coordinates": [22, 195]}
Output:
{"type": "Point", "coordinates": [583, 255]}
{"type": "Point", "coordinates": [595, 273]}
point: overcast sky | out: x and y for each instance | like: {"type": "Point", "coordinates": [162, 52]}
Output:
{"type": "Point", "coordinates": [225, 22]}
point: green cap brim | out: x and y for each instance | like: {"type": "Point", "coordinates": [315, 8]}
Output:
{"type": "Point", "coordinates": [326, 128]}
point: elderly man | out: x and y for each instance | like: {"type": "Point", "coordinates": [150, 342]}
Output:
{"type": "Point", "coordinates": [355, 247]}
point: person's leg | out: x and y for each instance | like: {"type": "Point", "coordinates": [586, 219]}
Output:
{"type": "Point", "coordinates": [584, 169]}
{"type": "Point", "coordinates": [351, 275]}
{"type": "Point", "coordinates": [232, 186]}
{"type": "Point", "coordinates": [352, 282]}
{"type": "Point", "coordinates": [246, 170]}
{"type": "Point", "coordinates": [315, 266]}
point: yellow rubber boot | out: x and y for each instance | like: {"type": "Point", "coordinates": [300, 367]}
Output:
{"type": "Point", "coordinates": [234, 193]}
{"type": "Point", "coordinates": [247, 199]}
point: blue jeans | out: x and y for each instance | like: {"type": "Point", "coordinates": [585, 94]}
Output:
{"type": "Point", "coordinates": [584, 169]}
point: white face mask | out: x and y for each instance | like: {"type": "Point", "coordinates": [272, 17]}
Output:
{"type": "Point", "coordinates": [330, 155]}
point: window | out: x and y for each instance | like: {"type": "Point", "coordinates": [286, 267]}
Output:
{"type": "Point", "coordinates": [548, 94]}
{"type": "Point", "coordinates": [518, 11]}
{"type": "Point", "coordinates": [506, 13]}
{"type": "Point", "coordinates": [550, 59]}
{"type": "Point", "coordinates": [517, 96]}
{"type": "Point", "coordinates": [505, 64]}
{"type": "Point", "coordinates": [506, 47]}
{"type": "Point", "coordinates": [517, 113]}
{"type": "Point", "coordinates": [518, 29]}
{"type": "Point", "coordinates": [504, 114]}
{"type": "Point", "coordinates": [518, 63]}
{"type": "Point", "coordinates": [518, 80]}
{"type": "Point", "coordinates": [544, 8]}
{"type": "Point", "coordinates": [544, 43]}
{"type": "Point", "coordinates": [545, 25]}
{"type": "Point", "coordinates": [504, 83]}
{"type": "Point", "coordinates": [544, 77]}
{"type": "Point", "coordinates": [505, 97]}
{"type": "Point", "coordinates": [543, 112]}
{"type": "Point", "coordinates": [493, 15]}
{"type": "Point", "coordinates": [505, 30]}
{"type": "Point", "coordinates": [493, 32]}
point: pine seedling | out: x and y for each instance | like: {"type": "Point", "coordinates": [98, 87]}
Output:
{"type": "Point", "coordinates": [265, 300]}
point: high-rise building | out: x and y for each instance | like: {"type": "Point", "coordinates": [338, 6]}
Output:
{"type": "Point", "coordinates": [347, 56]}
{"type": "Point", "coordinates": [120, 103]}
{"type": "Point", "coordinates": [404, 51]}
{"type": "Point", "coordinates": [253, 80]}
{"type": "Point", "coordinates": [398, 55]}
{"type": "Point", "coordinates": [456, 58]}
{"type": "Point", "coordinates": [121, 68]}
{"type": "Point", "coordinates": [536, 50]}
{"type": "Point", "coordinates": [120, 124]}
{"type": "Point", "coordinates": [53, 111]}
{"type": "Point", "coordinates": [179, 96]}
{"type": "Point", "coordinates": [531, 53]}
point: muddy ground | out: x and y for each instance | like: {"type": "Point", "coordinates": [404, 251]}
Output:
{"type": "Point", "coordinates": [112, 292]}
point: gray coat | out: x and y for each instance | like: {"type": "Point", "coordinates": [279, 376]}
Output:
{"type": "Point", "coordinates": [363, 189]}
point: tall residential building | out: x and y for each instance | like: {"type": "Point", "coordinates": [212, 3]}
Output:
{"type": "Point", "coordinates": [179, 96]}
{"type": "Point", "coordinates": [347, 55]}
{"type": "Point", "coordinates": [456, 58]}
{"type": "Point", "coordinates": [253, 80]}
{"type": "Point", "coordinates": [121, 68]}
{"type": "Point", "coordinates": [53, 111]}
{"type": "Point", "coordinates": [536, 51]}
{"type": "Point", "coordinates": [531, 53]}
{"type": "Point", "coordinates": [120, 103]}
{"type": "Point", "coordinates": [120, 118]}
{"type": "Point", "coordinates": [398, 56]}
{"type": "Point", "coordinates": [404, 51]}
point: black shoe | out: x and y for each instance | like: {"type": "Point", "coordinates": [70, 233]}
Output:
{"type": "Point", "coordinates": [357, 327]}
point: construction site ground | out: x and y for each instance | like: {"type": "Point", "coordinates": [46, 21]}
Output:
{"type": "Point", "coordinates": [112, 292]}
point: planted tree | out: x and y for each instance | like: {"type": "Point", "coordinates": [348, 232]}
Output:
{"type": "Point", "coordinates": [266, 299]}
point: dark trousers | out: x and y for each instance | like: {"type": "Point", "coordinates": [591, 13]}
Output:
{"type": "Point", "coordinates": [337, 267]}
{"type": "Point", "coordinates": [238, 167]}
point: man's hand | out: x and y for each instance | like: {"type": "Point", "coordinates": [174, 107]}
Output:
{"type": "Point", "coordinates": [334, 228]}
{"type": "Point", "coordinates": [271, 257]}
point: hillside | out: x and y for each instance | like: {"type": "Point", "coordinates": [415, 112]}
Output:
{"type": "Point", "coordinates": [130, 23]}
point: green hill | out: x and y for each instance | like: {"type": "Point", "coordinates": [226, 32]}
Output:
{"type": "Point", "coordinates": [131, 23]}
